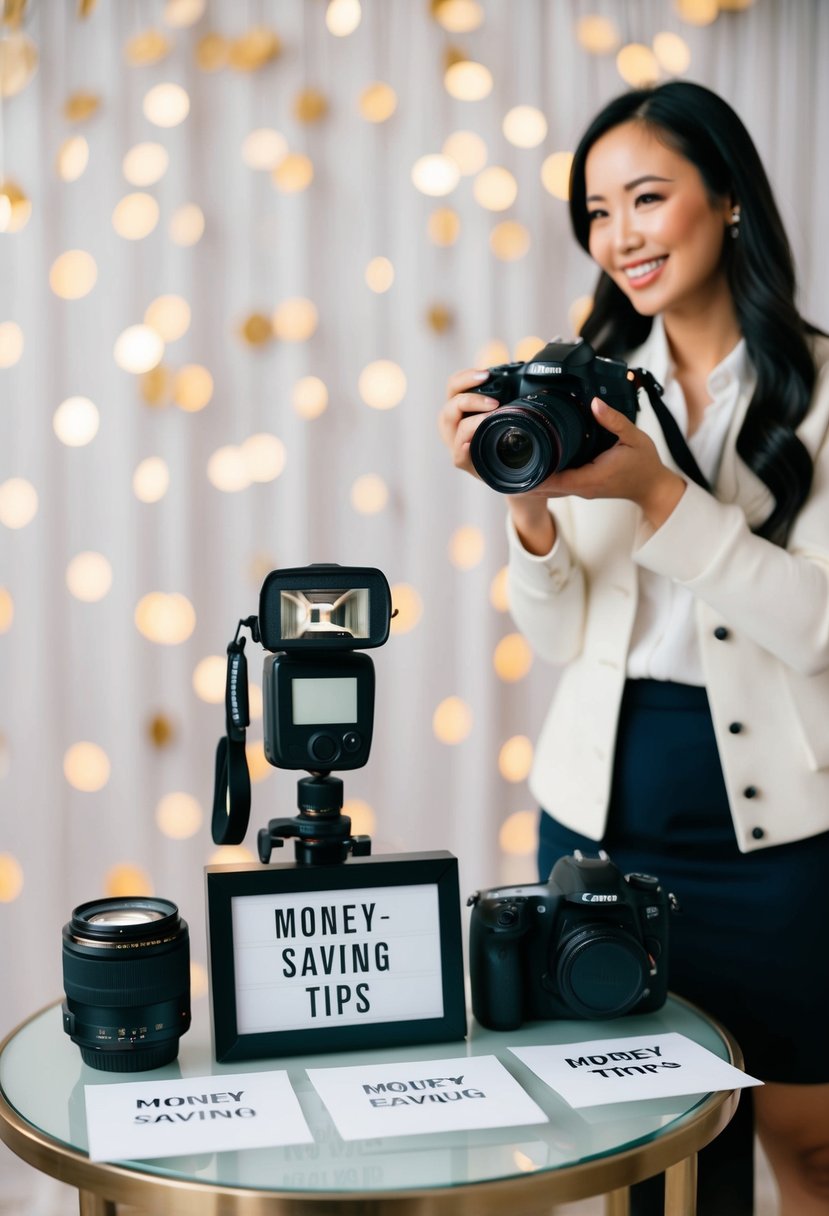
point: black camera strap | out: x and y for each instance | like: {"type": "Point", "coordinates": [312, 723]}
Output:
{"type": "Point", "coordinates": [231, 788]}
{"type": "Point", "coordinates": [676, 441]}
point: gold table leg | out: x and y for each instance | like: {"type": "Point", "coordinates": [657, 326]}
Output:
{"type": "Point", "coordinates": [681, 1188]}
{"type": "Point", "coordinates": [617, 1203]}
{"type": "Point", "coordinates": [95, 1205]}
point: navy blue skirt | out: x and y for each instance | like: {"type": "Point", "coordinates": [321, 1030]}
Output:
{"type": "Point", "coordinates": [749, 944]}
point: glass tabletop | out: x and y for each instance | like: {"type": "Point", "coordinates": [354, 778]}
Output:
{"type": "Point", "coordinates": [42, 1078]}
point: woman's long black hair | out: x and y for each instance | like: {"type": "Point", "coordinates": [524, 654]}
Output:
{"type": "Point", "coordinates": [760, 270]}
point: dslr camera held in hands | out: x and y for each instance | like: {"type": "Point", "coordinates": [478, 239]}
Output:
{"type": "Point", "coordinates": [544, 422]}
{"type": "Point", "coordinates": [589, 943]}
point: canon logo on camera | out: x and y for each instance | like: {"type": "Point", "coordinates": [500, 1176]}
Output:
{"type": "Point", "coordinates": [589, 898]}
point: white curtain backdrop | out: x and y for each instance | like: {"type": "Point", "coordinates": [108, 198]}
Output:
{"type": "Point", "coordinates": [77, 671]}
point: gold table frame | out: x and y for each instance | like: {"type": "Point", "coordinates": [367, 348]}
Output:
{"type": "Point", "coordinates": [102, 1185]}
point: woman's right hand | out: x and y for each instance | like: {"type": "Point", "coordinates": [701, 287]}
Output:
{"type": "Point", "coordinates": [463, 413]}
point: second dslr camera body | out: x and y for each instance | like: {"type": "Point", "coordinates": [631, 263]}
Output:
{"type": "Point", "coordinates": [544, 422]}
{"type": "Point", "coordinates": [590, 943]}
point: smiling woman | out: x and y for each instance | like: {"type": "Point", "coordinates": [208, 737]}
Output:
{"type": "Point", "coordinates": [676, 607]}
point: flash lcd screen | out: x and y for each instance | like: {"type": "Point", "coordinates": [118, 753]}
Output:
{"type": "Point", "coordinates": [324, 701]}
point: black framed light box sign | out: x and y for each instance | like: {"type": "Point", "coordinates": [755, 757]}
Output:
{"type": "Point", "coordinates": [367, 953]}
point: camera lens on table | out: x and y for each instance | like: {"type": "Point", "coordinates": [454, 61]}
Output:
{"type": "Point", "coordinates": [126, 976]}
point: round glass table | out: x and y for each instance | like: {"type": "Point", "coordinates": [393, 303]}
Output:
{"type": "Point", "coordinates": [522, 1171]}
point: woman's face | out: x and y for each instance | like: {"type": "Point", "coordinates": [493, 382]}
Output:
{"type": "Point", "coordinates": [653, 228]}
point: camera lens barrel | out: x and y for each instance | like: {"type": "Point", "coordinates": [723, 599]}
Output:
{"type": "Point", "coordinates": [126, 976]}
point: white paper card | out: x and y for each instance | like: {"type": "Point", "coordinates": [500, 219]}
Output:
{"type": "Point", "coordinates": [376, 1100]}
{"type": "Point", "coordinates": [626, 1069]}
{"type": "Point", "coordinates": [141, 1119]}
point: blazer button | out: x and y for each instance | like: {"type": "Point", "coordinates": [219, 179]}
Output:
{"type": "Point", "coordinates": [735, 728]}
{"type": "Point", "coordinates": [750, 791]}
{"type": "Point", "coordinates": [757, 833]}
{"type": "Point", "coordinates": [721, 633]}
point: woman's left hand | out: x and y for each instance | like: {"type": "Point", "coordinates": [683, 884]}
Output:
{"type": "Point", "coordinates": [630, 469]}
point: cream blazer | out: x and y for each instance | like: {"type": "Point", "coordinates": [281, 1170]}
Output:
{"type": "Point", "coordinates": [762, 615]}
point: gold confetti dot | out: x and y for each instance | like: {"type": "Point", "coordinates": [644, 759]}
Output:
{"type": "Point", "coordinates": [310, 106]}
{"type": "Point", "coordinates": [256, 329]}
{"type": "Point", "coordinates": [212, 52]}
{"type": "Point", "coordinates": [157, 385]}
{"type": "Point", "coordinates": [145, 48]}
{"type": "Point", "coordinates": [440, 318]}
{"type": "Point", "coordinates": [161, 731]}
{"type": "Point", "coordinates": [254, 49]}
{"type": "Point", "coordinates": [81, 105]}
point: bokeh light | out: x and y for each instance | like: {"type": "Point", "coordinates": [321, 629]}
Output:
{"type": "Point", "coordinates": [86, 767]}
{"type": "Point", "coordinates": [509, 241]}
{"type": "Point", "coordinates": [145, 164]}
{"type": "Point", "coordinates": [408, 603]}
{"type": "Point", "coordinates": [264, 148]}
{"type": "Point", "coordinates": [186, 225]}
{"type": "Point", "coordinates": [295, 320]}
{"type": "Point", "coordinates": [362, 816]}
{"type": "Point", "coordinates": [498, 596]}
{"type": "Point", "coordinates": [18, 502]}
{"type": "Point", "coordinates": [168, 619]}
{"type": "Point", "coordinates": [212, 52]}
{"type": "Point", "coordinates": [525, 126]}
{"type": "Point", "coordinates": [466, 547]}
{"type": "Point", "coordinates": [15, 207]}
{"type": "Point", "coordinates": [555, 174]}
{"type": "Point", "coordinates": [294, 173]}
{"type": "Point", "coordinates": [11, 343]}
{"type": "Point", "coordinates": [11, 878]}
{"type": "Point", "coordinates": [597, 34]}
{"type": "Point", "coordinates": [138, 349]}
{"type": "Point", "coordinates": [382, 384]}
{"type": "Point", "coordinates": [6, 610]}
{"type": "Point", "coordinates": [192, 387]}
{"type": "Point", "coordinates": [166, 105]}
{"type": "Point", "coordinates": [169, 316]}
{"type": "Point", "coordinates": [227, 470]}
{"type": "Point", "coordinates": [342, 17]}
{"type": "Point", "coordinates": [525, 348]}
{"type": "Point", "coordinates": [19, 56]}
{"type": "Point", "coordinates": [258, 46]}
{"type": "Point", "coordinates": [515, 758]}
{"type": "Point", "coordinates": [444, 226]}
{"type": "Point", "coordinates": [495, 188]}
{"type": "Point", "coordinates": [157, 386]}
{"type": "Point", "coordinates": [369, 494]}
{"type": "Point", "coordinates": [466, 80]}
{"type": "Point", "coordinates": [209, 679]}
{"type": "Point", "coordinates": [146, 48]}
{"type": "Point", "coordinates": [151, 479]}
{"type": "Point", "coordinates": [310, 106]}
{"type": "Point", "coordinates": [458, 16]}
{"type": "Point", "coordinates": [519, 834]}
{"type": "Point", "coordinates": [491, 353]}
{"type": "Point", "coordinates": [135, 216]}
{"type": "Point", "coordinates": [637, 65]}
{"type": "Point", "coordinates": [89, 576]}
{"type": "Point", "coordinates": [467, 150]}
{"type": "Point", "coordinates": [309, 397]}
{"type": "Point", "coordinates": [73, 157]}
{"type": "Point", "coordinates": [127, 879]}
{"type": "Point", "coordinates": [199, 981]}
{"type": "Point", "coordinates": [231, 855]}
{"type": "Point", "coordinates": [81, 105]}
{"type": "Point", "coordinates": [76, 421]}
{"type": "Point", "coordinates": [73, 274]}
{"type": "Point", "coordinates": [452, 721]}
{"type": "Point", "coordinates": [379, 274]}
{"type": "Point", "coordinates": [513, 657]}
{"type": "Point", "coordinates": [264, 456]}
{"type": "Point", "coordinates": [697, 12]}
{"type": "Point", "coordinates": [181, 13]}
{"type": "Point", "coordinates": [178, 815]}
{"type": "Point", "coordinates": [377, 102]}
{"type": "Point", "coordinates": [256, 329]}
{"type": "Point", "coordinates": [258, 765]}
{"type": "Point", "coordinates": [672, 51]}
{"type": "Point", "coordinates": [435, 174]}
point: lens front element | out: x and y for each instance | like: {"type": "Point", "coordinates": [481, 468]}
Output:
{"type": "Point", "coordinates": [126, 975]}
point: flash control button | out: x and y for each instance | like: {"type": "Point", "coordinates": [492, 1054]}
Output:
{"type": "Point", "coordinates": [352, 742]}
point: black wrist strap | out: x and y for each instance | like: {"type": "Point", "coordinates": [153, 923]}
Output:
{"type": "Point", "coordinates": [676, 441]}
{"type": "Point", "coordinates": [231, 787]}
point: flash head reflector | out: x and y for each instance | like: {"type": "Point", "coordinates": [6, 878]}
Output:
{"type": "Point", "coordinates": [324, 607]}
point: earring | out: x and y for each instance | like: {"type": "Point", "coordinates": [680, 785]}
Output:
{"type": "Point", "coordinates": [734, 227]}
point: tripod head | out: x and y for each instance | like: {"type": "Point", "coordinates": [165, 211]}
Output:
{"type": "Point", "coordinates": [321, 833]}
